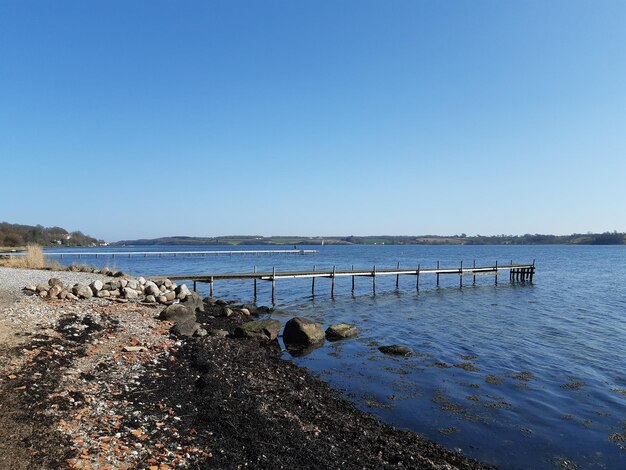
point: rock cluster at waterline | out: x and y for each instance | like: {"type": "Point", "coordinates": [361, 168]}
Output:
{"type": "Point", "coordinates": [161, 291]}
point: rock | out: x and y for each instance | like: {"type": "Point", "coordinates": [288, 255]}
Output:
{"type": "Point", "coordinates": [132, 283]}
{"type": "Point", "coordinates": [162, 288]}
{"type": "Point", "coordinates": [302, 331]}
{"type": "Point", "coordinates": [245, 311]}
{"type": "Point", "coordinates": [182, 291]}
{"type": "Point", "coordinates": [71, 296]}
{"type": "Point", "coordinates": [103, 293]}
{"type": "Point", "coordinates": [162, 299]}
{"type": "Point", "coordinates": [118, 274]}
{"type": "Point", "coordinates": [123, 283]}
{"type": "Point", "coordinates": [200, 332]}
{"type": "Point", "coordinates": [55, 282]}
{"type": "Point", "coordinates": [194, 301]}
{"type": "Point", "coordinates": [168, 284]}
{"type": "Point", "coordinates": [96, 286]}
{"type": "Point", "coordinates": [55, 290]}
{"type": "Point", "coordinates": [341, 331]}
{"type": "Point", "coordinates": [300, 350]}
{"type": "Point", "coordinates": [395, 350]}
{"type": "Point", "coordinates": [129, 293]}
{"type": "Point", "coordinates": [185, 328]}
{"type": "Point", "coordinates": [82, 291]}
{"type": "Point", "coordinates": [265, 330]}
{"type": "Point", "coordinates": [152, 289]}
{"type": "Point", "coordinates": [29, 289]}
{"type": "Point", "coordinates": [169, 296]}
{"type": "Point", "coordinates": [42, 287]}
{"type": "Point", "coordinates": [177, 313]}
{"type": "Point", "coordinates": [113, 285]}
{"type": "Point", "coordinates": [150, 299]}
{"type": "Point", "coordinates": [141, 280]}
{"type": "Point", "coordinates": [114, 293]}
{"type": "Point", "coordinates": [63, 294]}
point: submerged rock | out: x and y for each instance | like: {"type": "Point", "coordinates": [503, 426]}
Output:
{"type": "Point", "coordinates": [341, 331]}
{"type": "Point", "coordinates": [266, 330]}
{"type": "Point", "coordinates": [302, 331]}
{"type": "Point", "coordinates": [395, 350]}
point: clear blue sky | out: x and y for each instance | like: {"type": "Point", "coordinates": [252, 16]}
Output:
{"type": "Point", "coordinates": [155, 118]}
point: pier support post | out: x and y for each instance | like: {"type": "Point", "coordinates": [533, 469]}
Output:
{"type": "Point", "coordinates": [474, 277]}
{"type": "Point", "coordinates": [437, 273]}
{"type": "Point", "coordinates": [211, 286]}
{"type": "Point", "coordinates": [398, 276]}
{"type": "Point", "coordinates": [374, 280]}
{"type": "Point", "coordinates": [461, 275]}
{"type": "Point", "coordinates": [254, 289]}
{"type": "Point", "coordinates": [332, 285]}
{"type": "Point", "coordinates": [313, 283]}
{"type": "Point", "coordinates": [496, 276]}
{"type": "Point", "coordinates": [353, 279]}
{"type": "Point", "coordinates": [417, 278]}
{"type": "Point", "coordinates": [273, 285]}
{"type": "Point", "coordinates": [194, 286]}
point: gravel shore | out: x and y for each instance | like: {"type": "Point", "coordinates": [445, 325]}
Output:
{"type": "Point", "coordinates": [101, 384]}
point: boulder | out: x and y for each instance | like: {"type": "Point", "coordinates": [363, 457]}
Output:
{"type": "Point", "coordinates": [341, 331]}
{"type": "Point", "coordinates": [54, 291]}
{"type": "Point", "coordinates": [395, 350]}
{"type": "Point", "coordinates": [30, 289]}
{"type": "Point", "coordinates": [177, 313]}
{"type": "Point", "coordinates": [55, 282]}
{"type": "Point", "coordinates": [114, 293]}
{"type": "Point", "coordinates": [152, 289]}
{"type": "Point", "coordinates": [82, 291]}
{"type": "Point", "coordinates": [103, 293]}
{"type": "Point", "coordinates": [123, 282]}
{"type": "Point", "coordinates": [182, 291]}
{"type": "Point", "coordinates": [71, 296]}
{"type": "Point", "coordinates": [129, 293]}
{"type": "Point", "coordinates": [96, 286]}
{"type": "Point", "coordinates": [150, 299]}
{"type": "Point", "coordinates": [194, 301]}
{"type": "Point", "coordinates": [264, 330]}
{"type": "Point", "coordinates": [168, 284]}
{"type": "Point", "coordinates": [186, 328]}
{"type": "Point", "coordinates": [302, 331]}
{"type": "Point", "coordinates": [42, 287]}
{"type": "Point", "coordinates": [132, 283]}
{"type": "Point", "coordinates": [43, 294]}
{"type": "Point", "coordinates": [169, 296]}
{"type": "Point", "coordinates": [141, 280]}
{"type": "Point", "coordinates": [113, 285]}
{"type": "Point", "coordinates": [162, 299]}
{"type": "Point", "coordinates": [245, 311]}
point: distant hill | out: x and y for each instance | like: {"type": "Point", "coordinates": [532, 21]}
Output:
{"type": "Point", "coordinates": [15, 235]}
{"type": "Point", "coordinates": [607, 238]}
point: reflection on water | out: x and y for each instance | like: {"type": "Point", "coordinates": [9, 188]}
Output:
{"type": "Point", "coordinates": [515, 375]}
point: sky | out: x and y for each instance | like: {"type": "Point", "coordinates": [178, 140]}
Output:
{"type": "Point", "coordinates": [158, 118]}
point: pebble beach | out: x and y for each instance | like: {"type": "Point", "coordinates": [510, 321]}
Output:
{"type": "Point", "coordinates": [103, 383]}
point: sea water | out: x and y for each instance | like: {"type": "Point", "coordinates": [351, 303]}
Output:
{"type": "Point", "coordinates": [515, 375]}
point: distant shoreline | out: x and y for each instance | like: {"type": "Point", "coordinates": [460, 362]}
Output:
{"type": "Point", "coordinates": [607, 238]}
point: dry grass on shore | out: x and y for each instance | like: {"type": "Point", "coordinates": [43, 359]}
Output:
{"type": "Point", "coordinates": [33, 259]}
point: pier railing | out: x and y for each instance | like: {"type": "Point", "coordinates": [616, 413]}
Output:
{"type": "Point", "coordinates": [517, 273]}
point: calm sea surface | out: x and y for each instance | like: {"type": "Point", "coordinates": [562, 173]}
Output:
{"type": "Point", "coordinates": [520, 376]}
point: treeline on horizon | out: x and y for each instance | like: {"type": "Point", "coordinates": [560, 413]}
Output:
{"type": "Point", "coordinates": [606, 238]}
{"type": "Point", "coordinates": [15, 235]}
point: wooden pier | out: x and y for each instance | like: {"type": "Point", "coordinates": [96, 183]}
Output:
{"type": "Point", "coordinates": [160, 254]}
{"type": "Point", "coordinates": [521, 273]}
